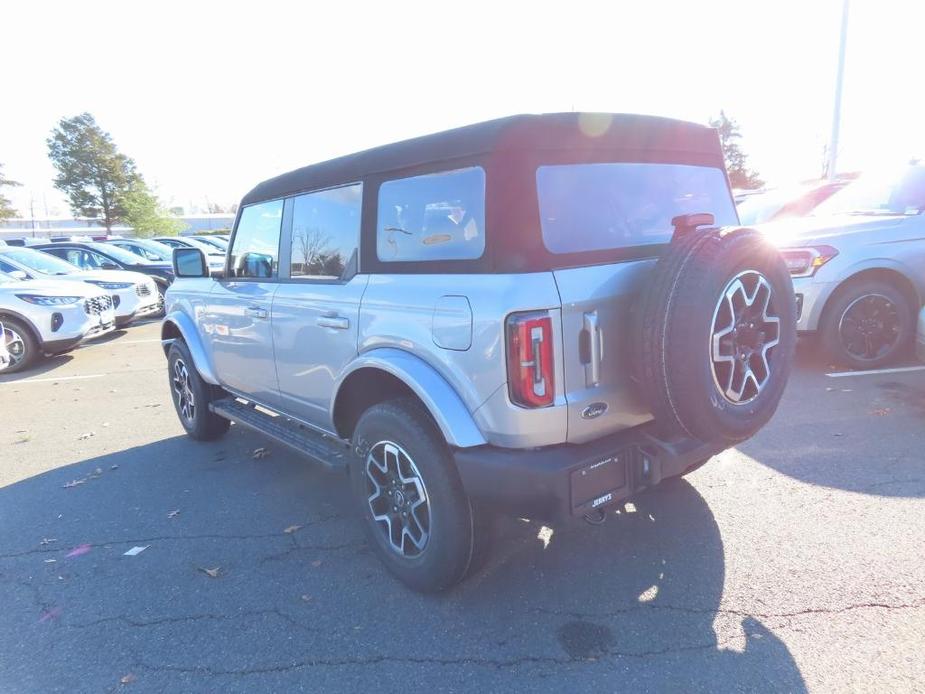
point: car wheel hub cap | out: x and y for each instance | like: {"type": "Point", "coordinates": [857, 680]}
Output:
{"type": "Point", "coordinates": [397, 498]}
{"type": "Point", "coordinates": [745, 331]}
{"type": "Point", "coordinates": [869, 327]}
{"type": "Point", "coordinates": [15, 345]}
{"type": "Point", "coordinates": [183, 391]}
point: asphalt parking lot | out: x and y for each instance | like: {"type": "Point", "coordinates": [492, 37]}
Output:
{"type": "Point", "coordinates": [796, 562]}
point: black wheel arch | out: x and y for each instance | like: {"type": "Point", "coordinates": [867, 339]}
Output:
{"type": "Point", "coordinates": [882, 274]}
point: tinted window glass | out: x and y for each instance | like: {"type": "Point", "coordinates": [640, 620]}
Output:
{"type": "Point", "coordinates": [256, 243]}
{"type": "Point", "coordinates": [39, 261]}
{"type": "Point", "coordinates": [434, 217]}
{"type": "Point", "coordinates": [325, 232]}
{"type": "Point", "coordinates": [591, 207]}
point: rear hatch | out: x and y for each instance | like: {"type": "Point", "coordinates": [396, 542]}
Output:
{"type": "Point", "coordinates": [603, 207]}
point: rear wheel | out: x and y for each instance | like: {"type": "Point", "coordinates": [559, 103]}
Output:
{"type": "Point", "coordinates": [718, 335]}
{"type": "Point", "coordinates": [867, 325]}
{"type": "Point", "coordinates": [192, 395]}
{"type": "Point", "coordinates": [415, 511]}
{"type": "Point", "coordinates": [20, 343]}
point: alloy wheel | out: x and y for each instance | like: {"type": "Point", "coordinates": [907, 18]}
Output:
{"type": "Point", "coordinates": [745, 330]}
{"type": "Point", "coordinates": [398, 498]}
{"type": "Point", "coordinates": [183, 391]}
{"type": "Point", "coordinates": [869, 327]}
{"type": "Point", "coordinates": [15, 345]}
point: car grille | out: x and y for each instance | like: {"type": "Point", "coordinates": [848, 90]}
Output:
{"type": "Point", "coordinates": [142, 290]}
{"type": "Point", "coordinates": [97, 305]}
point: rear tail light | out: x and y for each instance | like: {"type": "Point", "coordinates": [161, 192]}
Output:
{"type": "Point", "coordinates": [530, 359]}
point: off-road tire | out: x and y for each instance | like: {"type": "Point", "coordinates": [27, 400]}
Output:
{"type": "Point", "coordinates": [680, 306]}
{"type": "Point", "coordinates": [448, 552]}
{"type": "Point", "coordinates": [830, 326]}
{"type": "Point", "coordinates": [30, 346]}
{"type": "Point", "coordinates": [203, 424]}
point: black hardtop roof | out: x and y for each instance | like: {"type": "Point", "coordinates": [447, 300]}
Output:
{"type": "Point", "coordinates": [605, 131]}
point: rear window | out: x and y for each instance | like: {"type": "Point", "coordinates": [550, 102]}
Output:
{"type": "Point", "coordinates": [594, 207]}
{"type": "Point", "coordinates": [434, 217]}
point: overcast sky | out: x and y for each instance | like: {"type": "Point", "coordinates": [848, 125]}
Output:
{"type": "Point", "coordinates": [210, 98]}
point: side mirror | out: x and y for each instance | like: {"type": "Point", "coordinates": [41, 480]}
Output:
{"type": "Point", "coordinates": [18, 274]}
{"type": "Point", "coordinates": [109, 266]}
{"type": "Point", "coordinates": [189, 262]}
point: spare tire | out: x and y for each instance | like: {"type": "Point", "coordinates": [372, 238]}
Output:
{"type": "Point", "coordinates": [717, 335]}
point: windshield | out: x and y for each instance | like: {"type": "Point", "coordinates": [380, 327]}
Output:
{"type": "Point", "coordinates": [120, 254]}
{"type": "Point", "coordinates": [218, 243]}
{"type": "Point", "coordinates": [39, 262]}
{"type": "Point", "coordinates": [899, 193]}
{"type": "Point", "coordinates": [759, 208]}
{"type": "Point", "coordinates": [589, 207]}
{"type": "Point", "coordinates": [147, 249]}
{"type": "Point", "coordinates": [204, 247]}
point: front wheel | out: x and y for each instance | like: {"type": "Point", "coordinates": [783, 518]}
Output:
{"type": "Point", "coordinates": [192, 395]}
{"type": "Point", "coordinates": [415, 511]}
{"type": "Point", "coordinates": [868, 325]}
{"type": "Point", "coordinates": [20, 344]}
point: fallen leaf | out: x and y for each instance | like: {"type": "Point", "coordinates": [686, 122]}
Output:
{"type": "Point", "coordinates": [48, 540]}
{"type": "Point", "coordinates": [880, 411]}
{"type": "Point", "coordinates": [74, 483]}
{"type": "Point", "coordinates": [79, 550]}
{"type": "Point", "coordinates": [50, 614]}
{"type": "Point", "coordinates": [317, 563]}
{"type": "Point", "coordinates": [211, 573]}
{"type": "Point", "coordinates": [134, 551]}
{"type": "Point", "coordinates": [127, 679]}
{"type": "Point", "coordinates": [306, 598]}
{"type": "Point", "coordinates": [260, 453]}
{"type": "Point", "coordinates": [114, 467]}
{"type": "Point", "coordinates": [174, 514]}
{"type": "Point", "coordinates": [86, 436]}
{"type": "Point", "coordinates": [291, 529]}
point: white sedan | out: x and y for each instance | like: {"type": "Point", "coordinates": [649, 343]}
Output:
{"type": "Point", "coordinates": [49, 317]}
{"type": "Point", "coordinates": [134, 295]}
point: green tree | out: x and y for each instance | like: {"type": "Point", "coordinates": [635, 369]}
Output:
{"type": "Point", "coordinates": [740, 176]}
{"type": "Point", "coordinates": [144, 213]}
{"type": "Point", "coordinates": [6, 208]}
{"type": "Point", "coordinates": [92, 172]}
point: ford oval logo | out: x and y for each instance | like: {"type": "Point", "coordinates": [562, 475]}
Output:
{"type": "Point", "coordinates": [595, 409]}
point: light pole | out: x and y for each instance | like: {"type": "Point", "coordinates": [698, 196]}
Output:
{"type": "Point", "coordinates": [839, 78]}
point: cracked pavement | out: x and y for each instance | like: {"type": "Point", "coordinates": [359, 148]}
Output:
{"type": "Point", "coordinates": [796, 562]}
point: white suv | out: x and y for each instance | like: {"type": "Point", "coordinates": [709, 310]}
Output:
{"type": "Point", "coordinates": [134, 294]}
{"type": "Point", "coordinates": [49, 318]}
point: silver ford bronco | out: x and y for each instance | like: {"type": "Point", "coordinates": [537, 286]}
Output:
{"type": "Point", "coordinates": [540, 315]}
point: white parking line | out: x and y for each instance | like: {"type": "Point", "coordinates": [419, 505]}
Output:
{"type": "Point", "coordinates": [874, 372]}
{"type": "Point", "coordinates": [46, 380]}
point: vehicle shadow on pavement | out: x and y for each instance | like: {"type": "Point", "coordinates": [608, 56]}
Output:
{"type": "Point", "coordinates": [255, 575]}
{"type": "Point", "coordinates": [860, 434]}
{"type": "Point", "coordinates": [42, 367]}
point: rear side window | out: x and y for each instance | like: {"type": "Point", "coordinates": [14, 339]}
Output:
{"type": "Point", "coordinates": [433, 217]}
{"type": "Point", "coordinates": [255, 252]}
{"type": "Point", "coordinates": [325, 232]}
{"type": "Point", "coordinates": [593, 207]}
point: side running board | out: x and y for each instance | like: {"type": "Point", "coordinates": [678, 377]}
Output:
{"type": "Point", "coordinates": [327, 451]}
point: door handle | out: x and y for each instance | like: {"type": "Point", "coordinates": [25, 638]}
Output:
{"type": "Point", "coordinates": [256, 312]}
{"type": "Point", "coordinates": [333, 321]}
{"type": "Point", "coordinates": [596, 348]}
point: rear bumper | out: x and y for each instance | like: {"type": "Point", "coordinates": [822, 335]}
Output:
{"type": "Point", "coordinates": [572, 480]}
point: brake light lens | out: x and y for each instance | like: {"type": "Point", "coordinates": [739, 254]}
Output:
{"type": "Point", "coordinates": [804, 261]}
{"type": "Point", "coordinates": [530, 359]}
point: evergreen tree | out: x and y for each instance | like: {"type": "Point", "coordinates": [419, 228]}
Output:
{"type": "Point", "coordinates": [740, 176]}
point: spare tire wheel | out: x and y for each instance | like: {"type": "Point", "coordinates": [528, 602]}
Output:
{"type": "Point", "coordinates": [717, 335]}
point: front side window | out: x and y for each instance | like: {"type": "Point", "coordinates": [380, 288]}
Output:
{"type": "Point", "coordinates": [325, 232]}
{"type": "Point", "coordinates": [595, 207]}
{"type": "Point", "coordinates": [256, 243]}
{"type": "Point", "coordinates": [434, 217]}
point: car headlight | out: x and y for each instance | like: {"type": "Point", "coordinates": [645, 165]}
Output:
{"type": "Point", "coordinates": [43, 300]}
{"type": "Point", "coordinates": [110, 285]}
{"type": "Point", "coordinates": [805, 260]}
